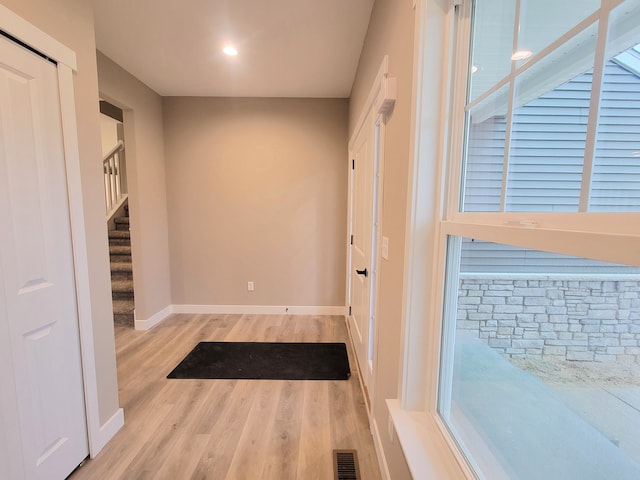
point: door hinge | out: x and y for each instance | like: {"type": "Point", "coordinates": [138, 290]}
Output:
{"type": "Point", "coordinates": [349, 310]}
{"type": "Point", "coordinates": [455, 3]}
{"type": "Point", "coordinates": [353, 164]}
{"type": "Point", "coordinates": [351, 239]}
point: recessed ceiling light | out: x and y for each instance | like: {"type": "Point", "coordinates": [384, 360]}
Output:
{"type": "Point", "coordinates": [521, 55]}
{"type": "Point", "coordinates": [231, 51]}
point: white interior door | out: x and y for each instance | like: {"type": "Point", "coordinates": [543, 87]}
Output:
{"type": "Point", "coordinates": [362, 248]}
{"type": "Point", "coordinates": [42, 399]}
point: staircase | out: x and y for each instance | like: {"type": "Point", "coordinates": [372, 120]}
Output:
{"type": "Point", "coordinates": [121, 272]}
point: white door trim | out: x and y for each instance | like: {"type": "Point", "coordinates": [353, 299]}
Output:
{"type": "Point", "coordinates": [378, 197]}
{"type": "Point", "coordinates": [373, 94]}
{"type": "Point", "coordinates": [30, 35]}
{"type": "Point", "coordinates": [378, 85]}
{"type": "Point", "coordinates": [373, 102]}
{"type": "Point", "coordinates": [98, 434]}
{"type": "Point", "coordinates": [27, 33]}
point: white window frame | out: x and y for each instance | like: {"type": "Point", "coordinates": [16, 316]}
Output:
{"type": "Point", "coordinates": [429, 449]}
{"type": "Point", "coordinates": [433, 214]}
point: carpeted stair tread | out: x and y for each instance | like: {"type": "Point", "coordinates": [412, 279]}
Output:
{"type": "Point", "coordinates": [121, 220]}
{"type": "Point", "coordinates": [120, 249]}
{"type": "Point", "coordinates": [121, 272]}
{"type": "Point", "coordinates": [123, 312]}
{"type": "Point", "coordinates": [120, 258]}
{"type": "Point", "coordinates": [121, 267]}
{"type": "Point", "coordinates": [122, 286]}
{"type": "Point", "coordinates": [125, 319]}
{"type": "Point", "coordinates": [123, 307]}
{"type": "Point", "coordinates": [119, 234]}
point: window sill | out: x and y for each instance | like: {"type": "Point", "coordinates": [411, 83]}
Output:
{"type": "Point", "coordinates": [425, 449]}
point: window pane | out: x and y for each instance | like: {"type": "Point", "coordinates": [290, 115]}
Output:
{"type": "Point", "coordinates": [492, 44]}
{"type": "Point", "coordinates": [544, 377]}
{"type": "Point", "coordinates": [544, 21]}
{"type": "Point", "coordinates": [484, 159]}
{"type": "Point", "coordinates": [549, 129]}
{"type": "Point", "coordinates": [616, 169]}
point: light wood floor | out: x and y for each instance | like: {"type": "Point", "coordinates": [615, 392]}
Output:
{"type": "Point", "coordinates": [230, 429]}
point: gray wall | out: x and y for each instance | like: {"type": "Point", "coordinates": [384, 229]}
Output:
{"type": "Point", "coordinates": [257, 191]}
{"type": "Point", "coordinates": [391, 32]}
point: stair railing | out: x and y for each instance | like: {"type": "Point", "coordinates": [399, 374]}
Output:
{"type": "Point", "coordinates": [114, 168]}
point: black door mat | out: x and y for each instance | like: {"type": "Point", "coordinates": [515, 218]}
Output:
{"type": "Point", "coordinates": [265, 361]}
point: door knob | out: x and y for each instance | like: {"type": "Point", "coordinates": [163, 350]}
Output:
{"type": "Point", "coordinates": [362, 272]}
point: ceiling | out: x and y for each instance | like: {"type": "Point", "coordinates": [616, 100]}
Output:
{"type": "Point", "coordinates": [287, 48]}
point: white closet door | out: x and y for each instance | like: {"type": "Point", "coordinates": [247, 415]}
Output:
{"type": "Point", "coordinates": [42, 399]}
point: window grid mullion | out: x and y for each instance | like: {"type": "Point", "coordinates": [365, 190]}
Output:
{"type": "Point", "coordinates": [538, 57]}
{"type": "Point", "coordinates": [509, 119]}
{"type": "Point", "coordinates": [594, 110]}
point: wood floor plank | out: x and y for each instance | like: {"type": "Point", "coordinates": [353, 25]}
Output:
{"type": "Point", "coordinates": [249, 457]}
{"type": "Point", "coordinates": [230, 429]}
{"type": "Point", "coordinates": [283, 445]}
{"type": "Point", "coordinates": [314, 460]}
{"type": "Point", "coordinates": [225, 431]}
{"type": "Point", "coordinates": [114, 460]}
{"type": "Point", "coordinates": [183, 459]}
{"type": "Point", "coordinates": [162, 441]}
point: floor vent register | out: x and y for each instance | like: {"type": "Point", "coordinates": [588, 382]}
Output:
{"type": "Point", "coordinates": [345, 465]}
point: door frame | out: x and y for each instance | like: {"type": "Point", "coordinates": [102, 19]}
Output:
{"type": "Point", "coordinates": [374, 102]}
{"type": "Point", "coordinates": [34, 38]}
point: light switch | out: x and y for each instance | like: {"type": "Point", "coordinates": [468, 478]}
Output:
{"type": "Point", "coordinates": [385, 247]}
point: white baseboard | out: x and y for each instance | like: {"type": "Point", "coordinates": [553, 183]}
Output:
{"type": "Point", "coordinates": [382, 459]}
{"type": "Point", "coordinates": [261, 309]}
{"type": "Point", "coordinates": [106, 432]}
{"type": "Point", "coordinates": [146, 324]}
{"type": "Point", "coordinates": [373, 425]}
{"type": "Point", "coordinates": [154, 319]}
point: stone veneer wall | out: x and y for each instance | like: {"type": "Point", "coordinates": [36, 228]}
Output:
{"type": "Point", "coordinates": [568, 318]}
